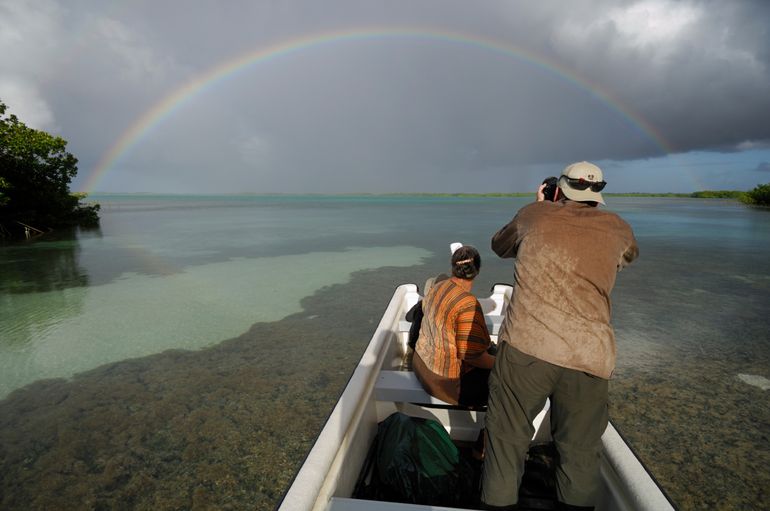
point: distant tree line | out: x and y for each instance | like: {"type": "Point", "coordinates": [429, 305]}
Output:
{"type": "Point", "coordinates": [35, 173]}
{"type": "Point", "coordinates": [718, 194]}
{"type": "Point", "coordinates": [759, 196]}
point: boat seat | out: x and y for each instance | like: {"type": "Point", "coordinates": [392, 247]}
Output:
{"type": "Point", "coordinates": [404, 387]}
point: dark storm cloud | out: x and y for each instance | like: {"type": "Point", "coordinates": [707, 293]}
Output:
{"type": "Point", "coordinates": [385, 114]}
{"type": "Point", "coordinates": [695, 70]}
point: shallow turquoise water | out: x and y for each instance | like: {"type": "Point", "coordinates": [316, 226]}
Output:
{"type": "Point", "coordinates": [177, 272]}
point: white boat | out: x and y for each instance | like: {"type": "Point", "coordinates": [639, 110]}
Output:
{"type": "Point", "coordinates": [379, 387]}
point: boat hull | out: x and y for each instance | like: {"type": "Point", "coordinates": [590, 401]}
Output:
{"type": "Point", "coordinates": [328, 476]}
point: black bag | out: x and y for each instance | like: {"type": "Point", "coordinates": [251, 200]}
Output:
{"type": "Point", "coordinates": [413, 460]}
{"type": "Point", "coordinates": [414, 315]}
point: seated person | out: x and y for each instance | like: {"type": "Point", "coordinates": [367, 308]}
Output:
{"type": "Point", "coordinates": [451, 358]}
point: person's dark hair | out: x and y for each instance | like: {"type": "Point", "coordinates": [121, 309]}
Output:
{"type": "Point", "coordinates": [466, 262]}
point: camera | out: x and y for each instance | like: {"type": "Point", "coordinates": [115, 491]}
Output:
{"type": "Point", "coordinates": [550, 188]}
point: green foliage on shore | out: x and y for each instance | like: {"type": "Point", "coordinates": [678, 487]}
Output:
{"type": "Point", "coordinates": [645, 194]}
{"type": "Point", "coordinates": [3, 198]}
{"type": "Point", "coordinates": [35, 173]}
{"type": "Point", "coordinates": [705, 194]}
{"type": "Point", "coordinates": [459, 195]}
{"type": "Point", "coordinates": [718, 194]}
{"type": "Point", "coordinates": [759, 196]}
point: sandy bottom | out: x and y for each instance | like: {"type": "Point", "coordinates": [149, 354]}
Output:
{"type": "Point", "coordinates": [58, 333]}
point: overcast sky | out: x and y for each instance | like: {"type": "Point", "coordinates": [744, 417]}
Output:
{"type": "Point", "coordinates": [394, 96]}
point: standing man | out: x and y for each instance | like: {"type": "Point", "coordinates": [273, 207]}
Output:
{"type": "Point", "coordinates": [557, 340]}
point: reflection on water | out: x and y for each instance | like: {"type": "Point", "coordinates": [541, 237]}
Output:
{"type": "Point", "coordinates": [27, 271]}
{"type": "Point", "coordinates": [41, 266]}
{"type": "Point", "coordinates": [226, 426]}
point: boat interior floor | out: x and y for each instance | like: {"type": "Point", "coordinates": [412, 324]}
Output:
{"type": "Point", "coordinates": [538, 486]}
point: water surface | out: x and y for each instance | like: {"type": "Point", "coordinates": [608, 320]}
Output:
{"type": "Point", "coordinates": [186, 354]}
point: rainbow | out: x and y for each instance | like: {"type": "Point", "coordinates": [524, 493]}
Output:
{"type": "Point", "coordinates": [167, 105]}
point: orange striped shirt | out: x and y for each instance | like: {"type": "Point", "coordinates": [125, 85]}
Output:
{"type": "Point", "coordinates": [453, 329]}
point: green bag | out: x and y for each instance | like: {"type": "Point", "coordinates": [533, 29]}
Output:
{"type": "Point", "coordinates": [413, 460]}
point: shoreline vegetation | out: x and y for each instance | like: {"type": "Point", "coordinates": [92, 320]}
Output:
{"type": "Point", "coordinates": [704, 194]}
{"type": "Point", "coordinates": [35, 175]}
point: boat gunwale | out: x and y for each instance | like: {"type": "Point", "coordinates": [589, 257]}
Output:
{"type": "Point", "coordinates": [320, 467]}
